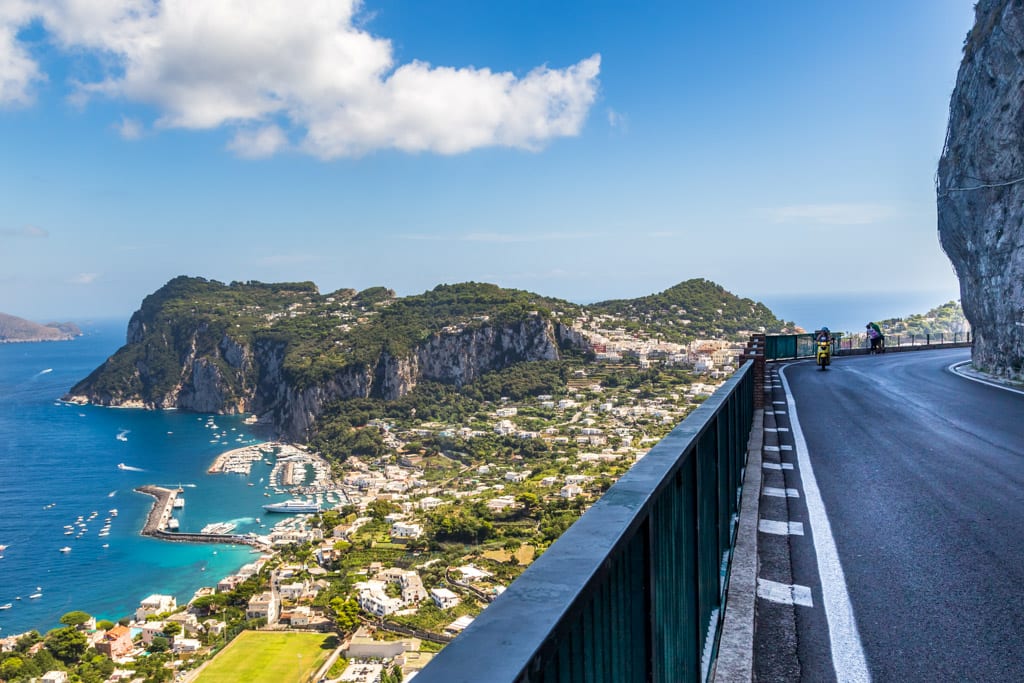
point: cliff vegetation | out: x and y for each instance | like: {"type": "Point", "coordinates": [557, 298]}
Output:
{"type": "Point", "coordinates": [291, 354]}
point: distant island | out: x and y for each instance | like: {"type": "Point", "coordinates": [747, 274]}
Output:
{"type": "Point", "coordinates": [15, 329]}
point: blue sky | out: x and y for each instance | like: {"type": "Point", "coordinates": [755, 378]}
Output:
{"type": "Point", "coordinates": [585, 150]}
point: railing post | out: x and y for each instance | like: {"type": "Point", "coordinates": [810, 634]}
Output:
{"type": "Point", "coordinates": [755, 351]}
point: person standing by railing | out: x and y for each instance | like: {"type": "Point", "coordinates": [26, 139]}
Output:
{"type": "Point", "coordinates": [876, 337]}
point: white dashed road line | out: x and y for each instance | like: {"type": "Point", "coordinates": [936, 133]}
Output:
{"type": "Point", "coordinates": [781, 493]}
{"type": "Point", "coordinates": [784, 593]}
{"type": "Point", "coordinates": [769, 526]}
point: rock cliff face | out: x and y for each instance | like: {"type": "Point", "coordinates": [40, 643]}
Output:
{"type": "Point", "coordinates": [230, 377]}
{"type": "Point", "coordinates": [980, 185]}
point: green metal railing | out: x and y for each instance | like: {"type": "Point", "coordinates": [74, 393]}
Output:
{"type": "Point", "coordinates": [635, 589]}
{"type": "Point", "coordinates": [784, 346]}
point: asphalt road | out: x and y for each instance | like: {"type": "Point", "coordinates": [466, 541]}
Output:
{"type": "Point", "coordinates": [921, 474]}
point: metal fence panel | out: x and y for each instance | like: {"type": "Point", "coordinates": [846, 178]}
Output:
{"type": "Point", "coordinates": [633, 590]}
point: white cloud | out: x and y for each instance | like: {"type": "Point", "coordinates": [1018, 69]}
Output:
{"type": "Point", "coordinates": [129, 129]}
{"type": "Point", "coordinates": [259, 143]}
{"type": "Point", "coordinates": [17, 69]}
{"type": "Point", "coordinates": [258, 65]}
{"type": "Point", "coordinates": [84, 278]}
{"type": "Point", "coordinates": [830, 214]}
{"type": "Point", "coordinates": [617, 120]}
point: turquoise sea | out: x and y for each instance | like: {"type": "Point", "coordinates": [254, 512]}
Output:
{"type": "Point", "coordinates": [59, 462]}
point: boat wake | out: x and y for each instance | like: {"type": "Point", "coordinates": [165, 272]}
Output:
{"type": "Point", "coordinates": [112, 493]}
{"type": "Point", "coordinates": [122, 466]}
{"type": "Point", "coordinates": [44, 372]}
{"type": "Point", "coordinates": [123, 434]}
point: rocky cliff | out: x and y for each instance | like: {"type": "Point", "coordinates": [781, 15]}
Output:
{"type": "Point", "coordinates": [287, 353]}
{"type": "Point", "coordinates": [289, 357]}
{"type": "Point", "coordinates": [980, 185]}
{"type": "Point", "coordinates": [452, 357]}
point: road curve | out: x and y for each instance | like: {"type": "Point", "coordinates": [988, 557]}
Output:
{"type": "Point", "coordinates": [921, 473]}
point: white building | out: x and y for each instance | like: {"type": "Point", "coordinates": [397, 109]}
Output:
{"type": "Point", "coordinates": [155, 604]}
{"type": "Point", "coordinates": [570, 491]}
{"type": "Point", "coordinates": [186, 645]}
{"type": "Point", "coordinates": [263, 606]}
{"type": "Point", "coordinates": [429, 503]}
{"type": "Point", "coordinates": [500, 503]}
{"type": "Point", "coordinates": [406, 530]}
{"type": "Point", "coordinates": [374, 599]}
{"type": "Point", "coordinates": [444, 598]}
{"type": "Point", "coordinates": [294, 591]}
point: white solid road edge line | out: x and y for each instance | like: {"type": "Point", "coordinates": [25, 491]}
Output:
{"type": "Point", "coordinates": [847, 652]}
{"type": "Point", "coordinates": [955, 369]}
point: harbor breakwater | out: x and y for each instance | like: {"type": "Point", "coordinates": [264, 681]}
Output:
{"type": "Point", "coordinates": [160, 514]}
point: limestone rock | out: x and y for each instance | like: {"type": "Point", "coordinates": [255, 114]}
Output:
{"type": "Point", "coordinates": [980, 185]}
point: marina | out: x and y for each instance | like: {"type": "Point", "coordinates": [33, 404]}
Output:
{"type": "Point", "coordinates": [72, 449]}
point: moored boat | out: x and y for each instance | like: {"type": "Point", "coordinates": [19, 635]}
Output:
{"type": "Point", "coordinates": [293, 506]}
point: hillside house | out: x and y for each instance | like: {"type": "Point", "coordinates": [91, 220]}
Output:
{"type": "Point", "coordinates": [444, 598]}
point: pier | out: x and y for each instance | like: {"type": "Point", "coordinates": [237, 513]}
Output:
{"type": "Point", "coordinates": [156, 522]}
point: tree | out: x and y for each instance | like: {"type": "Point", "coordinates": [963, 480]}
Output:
{"type": "Point", "coordinates": [391, 675]}
{"type": "Point", "coordinates": [379, 509]}
{"type": "Point", "coordinates": [76, 618]}
{"type": "Point", "coordinates": [67, 644]}
{"type": "Point", "coordinates": [104, 625]}
{"type": "Point", "coordinates": [160, 644]}
{"type": "Point", "coordinates": [11, 667]}
{"type": "Point", "coordinates": [346, 614]}
{"type": "Point", "coordinates": [172, 628]}
{"type": "Point", "coordinates": [211, 603]}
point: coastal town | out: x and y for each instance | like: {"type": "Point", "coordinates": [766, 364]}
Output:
{"type": "Point", "coordinates": [391, 556]}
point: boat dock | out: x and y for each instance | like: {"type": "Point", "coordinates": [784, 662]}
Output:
{"type": "Point", "coordinates": [160, 514]}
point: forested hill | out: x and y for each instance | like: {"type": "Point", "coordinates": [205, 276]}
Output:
{"type": "Point", "coordinates": [694, 308]}
{"type": "Point", "coordinates": [286, 352]}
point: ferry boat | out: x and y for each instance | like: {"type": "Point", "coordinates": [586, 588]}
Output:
{"type": "Point", "coordinates": [219, 528]}
{"type": "Point", "coordinates": [292, 506]}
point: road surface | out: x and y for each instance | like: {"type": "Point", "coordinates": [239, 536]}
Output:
{"type": "Point", "coordinates": [907, 481]}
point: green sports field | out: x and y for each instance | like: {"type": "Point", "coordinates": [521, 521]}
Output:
{"type": "Point", "coordinates": [268, 657]}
